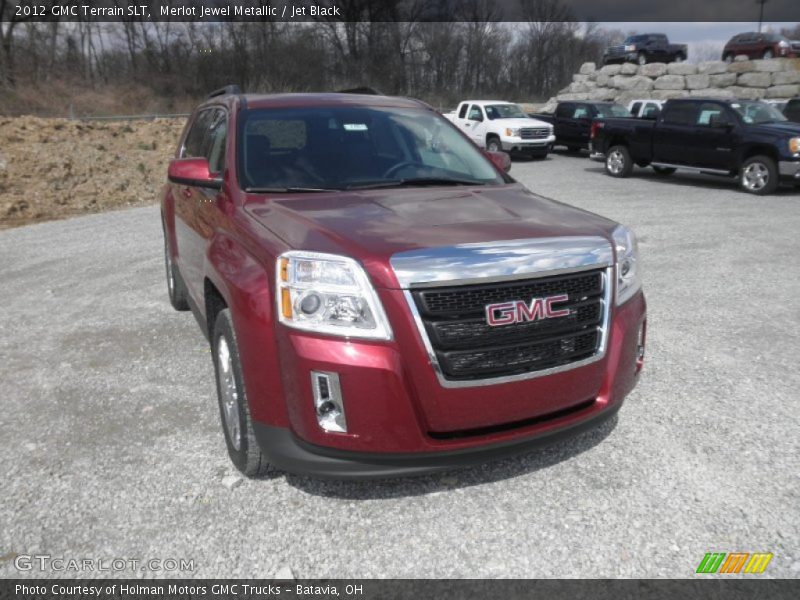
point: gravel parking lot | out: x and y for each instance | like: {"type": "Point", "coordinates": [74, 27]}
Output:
{"type": "Point", "coordinates": [112, 447]}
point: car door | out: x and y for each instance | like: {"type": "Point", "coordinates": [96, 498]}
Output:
{"type": "Point", "coordinates": [671, 132]}
{"type": "Point", "coordinates": [475, 125]}
{"type": "Point", "coordinates": [715, 137]}
{"type": "Point", "coordinates": [656, 48]}
{"type": "Point", "coordinates": [581, 123]}
{"type": "Point", "coordinates": [561, 121]}
{"type": "Point", "coordinates": [193, 203]}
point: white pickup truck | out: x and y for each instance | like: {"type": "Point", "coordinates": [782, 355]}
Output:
{"type": "Point", "coordinates": [497, 125]}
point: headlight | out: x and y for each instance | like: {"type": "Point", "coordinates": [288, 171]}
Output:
{"type": "Point", "coordinates": [330, 294]}
{"type": "Point", "coordinates": [783, 44]}
{"type": "Point", "coordinates": [512, 132]}
{"type": "Point", "coordinates": [629, 280]}
{"type": "Point", "coordinates": [630, 48]}
{"type": "Point", "coordinates": [794, 145]}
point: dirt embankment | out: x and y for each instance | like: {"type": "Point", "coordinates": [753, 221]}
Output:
{"type": "Point", "coordinates": [57, 168]}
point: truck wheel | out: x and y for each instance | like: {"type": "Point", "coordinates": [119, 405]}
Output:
{"type": "Point", "coordinates": [176, 288]}
{"type": "Point", "coordinates": [759, 175]}
{"type": "Point", "coordinates": [573, 149]}
{"type": "Point", "coordinates": [728, 58]}
{"type": "Point", "coordinates": [664, 170]}
{"type": "Point", "coordinates": [493, 144]}
{"type": "Point", "coordinates": [618, 162]}
{"type": "Point", "coordinates": [767, 53]}
{"type": "Point", "coordinates": [641, 58]}
{"type": "Point", "coordinates": [234, 410]}
{"type": "Point", "coordinates": [679, 58]}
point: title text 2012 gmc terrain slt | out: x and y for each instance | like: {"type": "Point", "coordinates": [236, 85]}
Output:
{"type": "Point", "coordinates": [381, 298]}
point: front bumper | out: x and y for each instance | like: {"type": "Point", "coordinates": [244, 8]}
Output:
{"type": "Point", "coordinates": [789, 169]}
{"type": "Point", "coordinates": [520, 145]}
{"type": "Point", "coordinates": [610, 59]}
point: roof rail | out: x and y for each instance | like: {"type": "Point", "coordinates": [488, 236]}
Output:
{"type": "Point", "coordinates": [225, 91]}
{"type": "Point", "coordinates": [362, 90]}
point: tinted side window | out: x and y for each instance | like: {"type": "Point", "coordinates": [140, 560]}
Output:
{"type": "Point", "coordinates": [792, 110]}
{"type": "Point", "coordinates": [682, 113]}
{"type": "Point", "coordinates": [708, 112]}
{"type": "Point", "coordinates": [475, 113]}
{"type": "Point", "coordinates": [197, 139]}
{"type": "Point", "coordinates": [217, 140]}
{"type": "Point", "coordinates": [564, 110]}
{"type": "Point", "coordinates": [581, 112]}
{"type": "Point", "coordinates": [635, 108]}
{"type": "Point", "coordinates": [462, 111]}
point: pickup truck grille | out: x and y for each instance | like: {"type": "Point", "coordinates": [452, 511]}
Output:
{"type": "Point", "coordinates": [795, 46]}
{"type": "Point", "coordinates": [615, 51]}
{"type": "Point", "coordinates": [534, 133]}
{"type": "Point", "coordinates": [468, 348]}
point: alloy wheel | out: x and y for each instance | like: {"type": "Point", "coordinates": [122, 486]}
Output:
{"type": "Point", "coordinates": [229, 394]}
{"type": "Point", "coordinates": [755, 176]}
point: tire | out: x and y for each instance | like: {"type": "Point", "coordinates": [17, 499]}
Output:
{"type": "Point", "coordinates": [759, 175]}
{"type": "Point", "coordinates": [728, 58]}
{"type": "Point", "coordinates": [664, 170]}
{"type": "Point", "coordinates": [641, 59]}
{"type": "Point", "coordinates": [767, 53]}
{"type": "Point", "coordinates": [176, 288]}
{"type": "Point", "coordinates": [679, 58]}
{"type": "Point", "coordinates": [573, 149]}
{"type": "Point", "coordinates": [618, 162]}
{"type": "Point", "coordinates": [493, 144]}
{"type": "Point", "coordinates": [234, 411]}
{"type": "Point", "coordinates": [538, 155]}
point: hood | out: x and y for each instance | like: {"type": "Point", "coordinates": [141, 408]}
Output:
{"type": "Point", "coordinates": [521, 122]}
{"type": "Point", "coordinates": [372, 225]}
{"type": "Point", "coordinates": [781, 128]}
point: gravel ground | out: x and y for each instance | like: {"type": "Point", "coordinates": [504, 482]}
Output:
{"type": "Point", "coordinates": [112, 447]}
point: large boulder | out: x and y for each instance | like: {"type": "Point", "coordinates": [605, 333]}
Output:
{"type": "Point", "coordinates": [587, 67]}
{"type": "Point", "coordinates": [627, 97]}
{"type": "Point", "coordinates": [569, 96]}
{"type": "Point", "coordinates": [712, 93]}
{"type": "Point", "coordinates": [681, 68]}
{"type": "Point", "coordinates": [670, 82]}
{"type": "Point", "coordinates": [637, 82]}
{"type": "Point", "coordinates": [712, 67]}
{"type": "Point", "coordinates": [629, 69]}
{"type": "Point", "coordinates": [722, 79]}
{"type": "Point", "coordinates": [745, 93]}
{"type": "Point", "coordinates": [611, 70]}
{"type": "Point", "coordinates": [602, 93]}
{"type": "Point", "coordinates": [786, 78]}
{"type": "Point", "coordinates": [653, 70]}
{"type": "Point", "coordinates": [603, 80]}
{"type": "Point", "coordinates": [783, 91]}
{"type": "Point", "coordinates": [754, 79]}
{"type": "Point", "coordinates": [772, 65]}
{"type": "Point", "coordinates": [701, 81]}
{"type": "Point", "coordinates": [579, 87]}
{"type": "Point", "coordinates": [669, 94]}
{"type": "Point", "coordinates": [578, 78]}
{"type": "Point", "coordinates": [744, 66]}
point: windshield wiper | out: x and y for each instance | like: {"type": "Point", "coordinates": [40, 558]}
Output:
{"type": "Point", "coordinates": [288, 190]}
{"type": "Point", "coordinates": [412, 181]}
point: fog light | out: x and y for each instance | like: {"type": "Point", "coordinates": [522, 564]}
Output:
{"type": "Point", "coordinates": [328, 404]}
{"type": "Point", "coordinates": [640, 344]}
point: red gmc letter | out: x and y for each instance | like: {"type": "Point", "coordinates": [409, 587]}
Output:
{"type": "Point", "coordinates": [548, 306]}
{"type": "Point", "coordinates": [500, 314]}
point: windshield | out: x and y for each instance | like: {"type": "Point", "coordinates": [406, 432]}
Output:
{"type": "Point", "coordinates": [612, 110]}
{"type": "Point", "coordinates": [755, 113]}
{"type": "Point", "coordinates": [324, 148]}
{"type": "Point", "coordinates": [504, 111]}
{"type": "Point", "coordinates": [633, 39]}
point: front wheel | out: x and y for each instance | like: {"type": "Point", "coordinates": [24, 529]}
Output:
{"type": "Point", "coordinates": [767, 54]}
{"type": "Point", "coordinates": [493, 144]}
{"type": "Point", "coordinates": [237, 424]}
{"type": "Point", "coordinates": [759, 175]}
{"type": "Point", "coordinates": [176, 288]}
{"type": "Point", "coordinates": [641, 58]}
{"type": "Point", "coordinates": [618, 162]}
{"type": "Point", "coordinates": [728, 58]}
{"type": "Point", "coordinates": [679, 58]}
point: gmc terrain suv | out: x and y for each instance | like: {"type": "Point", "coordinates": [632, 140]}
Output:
{"type": "Point", "coordinates": [760, 45]}
{"type": "Point", "coordinates": [380, 297]}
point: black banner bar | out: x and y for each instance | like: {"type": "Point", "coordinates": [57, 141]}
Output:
{"type": "Point", "coordinates": [702, 588]}
{"type": "Point", "coordinates": [402, 10]}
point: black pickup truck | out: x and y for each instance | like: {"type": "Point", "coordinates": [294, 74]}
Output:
{"type": "Point", "coordinates": [747, 139]}
{"type": "Point", "coordinates": [572, 121]}
{"type": "Point", "coordinates": [645, 48]}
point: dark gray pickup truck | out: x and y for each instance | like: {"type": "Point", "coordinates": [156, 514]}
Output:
{"type": "Point", "coordinates": [747, 139]}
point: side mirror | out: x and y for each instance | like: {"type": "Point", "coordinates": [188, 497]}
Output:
{"type": "Point", "coordinates": [192, 171]}
{"type": "Point", "coordinates": [719, 122]}
{"type": "Point", "coordinates": [501, 160]}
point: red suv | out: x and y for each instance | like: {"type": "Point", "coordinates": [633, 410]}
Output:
{"type": "Point", "coordinates": [380, 297]}
{"type": "Point", "coordinates": [760, 45]}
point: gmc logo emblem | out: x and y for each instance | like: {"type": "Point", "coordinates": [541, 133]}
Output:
{"type": "Point", "coordinates": [518, 311]}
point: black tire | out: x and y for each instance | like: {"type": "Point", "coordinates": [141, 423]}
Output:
{"type": "Point", "coordinates": [767, 54]}
{"type": "Point", "coordinates": [573, 149]}
{"type": "Point", "coordinates": [664, 170]}
{"type": "Point", "coordinates": [759, 175]}
{"type": "Point", "coordinates": [176, 288]}
{"type": "Point", "coordinates": [243, 448]}
{"type": "Point", "coordinates": [538, 156]}
{"type": "Point", "coordinates": [641, 58]}
{"type": "Point", "coordinates": [493, 144]}
{"type": "Point", "coordinates": [728, 58]}
{"type": "Point", "coordinates": [618, 162]}
{"type": "Point", "coordinates": [679, 58]}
